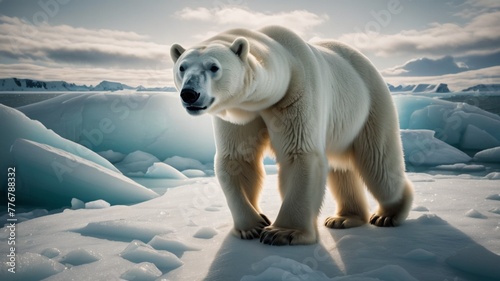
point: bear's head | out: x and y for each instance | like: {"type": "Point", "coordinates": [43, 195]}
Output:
{"type": "Point", "coordinates": [210, 78]}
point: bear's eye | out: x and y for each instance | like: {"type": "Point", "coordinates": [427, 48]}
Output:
{"type": "Point", "coordinates": [181, 68]}
{"type": "Point", "coordinates": [214, 68]}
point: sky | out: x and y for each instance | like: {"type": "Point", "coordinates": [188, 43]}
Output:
{"type": "Point", "coordinates": [84, 42]}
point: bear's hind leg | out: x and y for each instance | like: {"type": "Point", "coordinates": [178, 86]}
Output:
{"type": "Point", "coordinates": [379, 160]}
{"type": "Point", "coordinates": [348, 191]}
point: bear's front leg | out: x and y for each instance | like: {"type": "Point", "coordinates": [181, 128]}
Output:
{"type": "Point", "coordinates": [240, 171]}
{"type": "Point", "coordinates": [240, 180]}
{"type": "Point", "coordinates": [302, 185]}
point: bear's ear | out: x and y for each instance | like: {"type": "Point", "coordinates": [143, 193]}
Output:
{"type": "Point", "coordinates": [241, 47]}
{"type": "Point", "coordinates": [176, 51]}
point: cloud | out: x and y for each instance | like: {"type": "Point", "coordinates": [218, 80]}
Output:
{"type": "Point", "coordinates": [427, 67]}
{"type": "Point", "coordinates": [480, 36]}
{"type": "Point", "coordinates": [22, 41]}
{"type": "Point", "coordinates": [473, 8]}
{"type": "Point", "coordinates": [298, 20]}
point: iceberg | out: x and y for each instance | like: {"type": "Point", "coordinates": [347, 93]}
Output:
{"type": "Point", "coordinates": [52, 177]}
{"type": "Point", "coordinates": [128, 121]}
{"type": "Point", "coordinates": [458, 124]}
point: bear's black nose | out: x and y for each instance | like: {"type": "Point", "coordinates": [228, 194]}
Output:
{"type": "Point", "coordinates": [189, 96]}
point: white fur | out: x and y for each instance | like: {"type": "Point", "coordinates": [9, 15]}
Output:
{"type": "Point", "coordinates": [325, 112]}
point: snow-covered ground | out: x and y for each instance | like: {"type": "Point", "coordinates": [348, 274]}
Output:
{"type": "Point", "coordinates": [82, 161]}
{"type": "Point", "coordinates": [453, 233]}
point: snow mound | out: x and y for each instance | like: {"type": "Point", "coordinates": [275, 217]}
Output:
{"type": "Point", "coordinates": [488, 155]}
{"type": "Point", "coordinates": [31, 266]}
{"type": "Point", "coordinates": [386, 273]}
{"type": "Point", "coordinates": [79, 257]}
{"type": "Point", "coordinates": [493, 176]}
{"type": "Point", "coordinates": [430, 219]}
{"type": "Point", "coordinates": [472, 213]}
{"type": "Point", "coordinates": [97, 204]}
{"type": "Point", "coordinates": [162, 170]}
{"type": "Point", "coordinates": [279, 268]}
{"type": "Point", "coordinates": [52, 177]}
{"type": "Point", "coordinates": [127, 121]}
{"type": "Point", "coordinates": [122, 230]}
{"type": "Point", "coordinates": [461, 167]}
{"type": "Point", "coordinates": [205, 233]}
{"type": "Point", "coordinates": [420, 255]}
{"type": "Point", "coordinates": [138, 252]}
{"type": "Point", "coordinates": [183, 163]}
{"type": "Point", "coordinates": [461, 125]}
{"type": "Point", "coordinates": [171, 244]}
{"type": "Point", "coordinates": [51, 252]}
{"type": "Point", "coordinates": [495, 211]}
{"type": "Point", "coordinates": [421, 148]}
{"type": "Point", "coordinates": [77, 204]}
{"type": "Point", "coordinates": [145, 271]}
{"type": "Point", "coordinates": [136, 163]}
{"type": "Point", "coordinates": [193, 173]}
{"type": "Point", "coordinates": [476, 260]}
{"type": "Point", "coordinates": [420, 209]}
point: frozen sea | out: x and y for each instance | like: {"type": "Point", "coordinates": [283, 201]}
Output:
{"type": "Point", "coordinates": [120, 186]}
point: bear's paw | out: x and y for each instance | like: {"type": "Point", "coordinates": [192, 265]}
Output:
{"type": "Point", "coordinates": [252, 232]}
{"type": "Point", "coordinates": [341, 222]}
{"type": "Point", "coordinates": [277, 236]}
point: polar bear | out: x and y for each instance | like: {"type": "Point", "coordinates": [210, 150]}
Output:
{"type": "Point", "coordinates": [323, 110]}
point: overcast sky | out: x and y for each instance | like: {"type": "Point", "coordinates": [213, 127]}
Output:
{"type": "Point", "coordinates": [454, 41]}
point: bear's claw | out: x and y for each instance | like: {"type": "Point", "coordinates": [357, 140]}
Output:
{"type": "Point", "coordinates": [253, 232]}
{"type": "Point", "coordinates": [382, 221]}
{"type": "Point", "coordinates": [342, 222]}
{"type": "Point", "coordinates": [277, 236]}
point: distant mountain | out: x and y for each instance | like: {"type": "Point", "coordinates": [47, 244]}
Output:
{"type": "Point", "coordinates": [483, 88]}
{"type": "Point", "coordinates": [111, 86]}
{"type": "Point", "coordinates": [23, 85]}
{"type": "Point", "coordinates": [14, 84]}
{"type": "Point", "coordinates": [156, 89]}
{"type": "Point", "coordinates": [420, 88]}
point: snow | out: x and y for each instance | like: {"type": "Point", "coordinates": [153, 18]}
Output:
{"type": "Point", "coordinates": [171, 244]}
{"type": "Point", "coordinates": [79, 257]}
{"type": "Point", "coordinates": [51, 252]}
{"type": "Point", "coordinates": [476, 260]}
{"type": "Point", "coordinates": [475, 214]}
{"type": "Point", "coordinates": [183, 163]}
{"type": "Point", "coordinates": [162, 170]}
{"type": "Point", "coordinates": [205, 232]}
{"type": "Point", "coordinates": [193, 173]}
{"type": "Point", "coordinates": [138, 252]}
{"type": "Point", "coordinates": [144, 271]}
{"type": "Point", "coordinates": [77, 204]}
{"type": "Point", "coordinates": [97, 204]}
{"type": "Point", "coordinates": [123, 230]}
{"type": "Point", "coordinates": [129, 239]}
